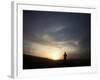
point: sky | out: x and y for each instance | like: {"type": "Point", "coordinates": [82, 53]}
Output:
{"type": "Point", "coordinates": [50, 34]}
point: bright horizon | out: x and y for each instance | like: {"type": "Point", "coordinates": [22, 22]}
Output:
{"type": "Point", "coordinates": [50, 52]}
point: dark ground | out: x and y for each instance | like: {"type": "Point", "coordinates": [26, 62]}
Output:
{"type": "Point", "coordinates": [31, 62]}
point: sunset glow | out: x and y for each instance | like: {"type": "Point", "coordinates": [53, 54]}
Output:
{"type": "Point", "coordinates": [53, 52]}
{"type": "Point", "coordinates": [47, 52]}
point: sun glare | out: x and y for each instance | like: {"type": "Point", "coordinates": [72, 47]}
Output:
{"type": "Point", "coordinates": [55, 57]}
{"type": "Point", "coordinates": [55, 54]}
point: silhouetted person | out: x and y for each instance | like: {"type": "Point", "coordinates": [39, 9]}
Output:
{"type": "Point", "coordinates": [65, 57]}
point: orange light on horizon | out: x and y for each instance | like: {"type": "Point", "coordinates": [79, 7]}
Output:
{"type": "Point", "coordinates": [50, 52]}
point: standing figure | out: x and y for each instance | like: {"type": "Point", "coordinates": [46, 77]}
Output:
{"type": "Point", "coordinates": [65, 57]}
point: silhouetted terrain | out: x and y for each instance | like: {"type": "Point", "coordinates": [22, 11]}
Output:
{"type": "Point", "coordinates": [31, 62]}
